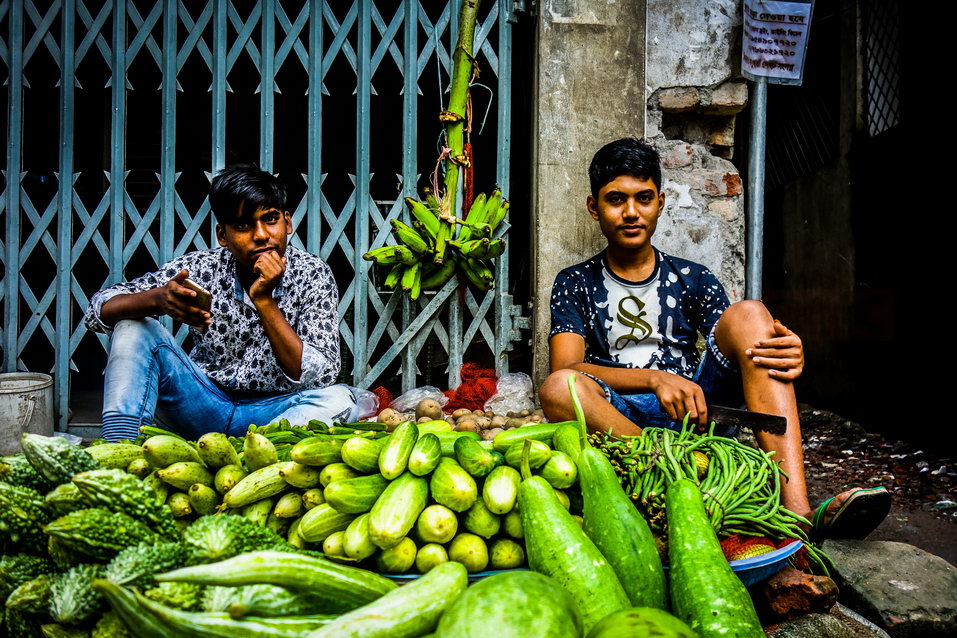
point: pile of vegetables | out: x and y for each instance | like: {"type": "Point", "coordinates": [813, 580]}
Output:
{"type": "Point", "coordinates": [741, 485]}
{"type": "Point", "coordinates": [291, 531]}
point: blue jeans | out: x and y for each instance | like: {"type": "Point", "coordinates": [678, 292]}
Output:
{"type": "Point", "coordinates": [148, 375]}
{"type": "Point", "coordinates": [719, 378]}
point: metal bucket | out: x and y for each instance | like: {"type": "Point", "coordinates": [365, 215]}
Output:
{"type": "Point", "coordinates": [26, 405]}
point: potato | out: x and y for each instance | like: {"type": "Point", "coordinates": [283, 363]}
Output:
{"type": "Point", "coordinates": [393, 420]}
{"type": "Point", "coordinates": [424, 419]}
{"type": "Point", "coordinates": [524, 413]}
{"type": "Point", "coordinates": [428, 408]}
{"type": "Point", "coordinates": [498, 421]}
{"type": "Point", "coordinates": [467, 425]}
{"type": "Point", "coordinates": [478, 413]}
{"type": "Point", "coordinates": [488, 435]}
{"type": "Point", "coordinates": [538, 412]}
{"type": "Point", "coordinates": [458, 414]}
{"type": "Point", "coordinates": [514, 423]}
{"type": "Point", "coordinates": [483, 422]}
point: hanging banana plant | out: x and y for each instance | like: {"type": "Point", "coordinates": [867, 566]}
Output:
{"type": "Point", "coordinates": [438, 244]}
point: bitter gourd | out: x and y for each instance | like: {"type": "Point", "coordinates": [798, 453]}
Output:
{"type": "Point", "coordinates": [100, 533]}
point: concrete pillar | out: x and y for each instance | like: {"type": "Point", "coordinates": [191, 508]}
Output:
{"type": "Point", "coordinates": [590, 91]}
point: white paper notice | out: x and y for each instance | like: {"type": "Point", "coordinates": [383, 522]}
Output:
{"type": "Point", "coordinates": [775, 39]}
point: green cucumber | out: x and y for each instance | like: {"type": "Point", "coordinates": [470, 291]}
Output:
{"type": "Point", "coordinates": [568, 440]}
{"type": "Point", "coordinates": [317, 451]}
{"type": "Point", "coordinates": [227, 476]}
{"type": "Point", "coordinates": [560, 470]}
{"type": "Point", "coordinates": [473, 458]}
{"type": "Point", "coordinates": [116, 456]}
{"type": "Point", "coordinates": [448, 439]}
{"type": "Point", "coordinates": [470, 550]}
{"type": "Point", "coordinates": [397, 509]}
{"type": "Point", "coordinates": [512, 605]}
{"type": "Point", "coordinates": [259, 511]}
{"type": "Point", "coordinates": [398, 559]}
{"type": "Point", "coordinates": [356, 541]}
{"type": "Point", "coordinates": [542, 432]}
{"type": "Point", "coordinates": [506, 554]}
{"type": "Point", "coordinates": [262, 483]}
{"type": "Point", "coordinates": [164, 450]}
{"type": "Point", "coordinates": [556, 546]}
{"type": "Point", "coordinates": [203, 499]}
{"type": "Point", "coordinates": [258, 451]}
{"type": "Point", "coordinates": [501, 489]}
{"type": "Point", "coordinates": [480, 521]}
{"type": "Point", "coordinates": [216, 450]}
{"type": "Point", "coordinates": [436, 524]}
{"type": "Point", "coordinates": [322, 520]}
{"type": "Point", "coordinates": [705, 592]}
{"type": "Point", "coordinates": [425, 455]}
{"type": "Point", "coordinates": [452, 486]}
{"type": "Point", "coordinates": [289, 506]}
{"type": "Point", "coordinates": [355, 495]}
{"type": "Point", "coordinates": [184, 474]}
{"type": "Point", "coordinates": [538, 454]}
{"type": "Point", "coordinates": [361, 454]}
{"type": "Point", "coordinates": [299, 475]}
{"type": "Point", "coordinates": [408, 612]}
{"type": "Point", "coordinates": [336, 472]}
{"type": "Point", "coordinates": [394, 456]}
{"type": "Point", "coordinates": [429, 556]}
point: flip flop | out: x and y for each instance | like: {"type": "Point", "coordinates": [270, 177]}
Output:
{"type": "Point", "coordinates": [859, 515]}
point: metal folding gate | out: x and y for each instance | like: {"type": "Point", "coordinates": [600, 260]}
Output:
{"type": "Point", "coordinates": [76, 234]}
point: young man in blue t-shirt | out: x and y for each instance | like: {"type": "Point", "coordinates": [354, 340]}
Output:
{"type": "Point", "coordinates": [628, 321]}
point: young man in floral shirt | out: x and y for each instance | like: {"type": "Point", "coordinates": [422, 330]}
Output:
{"type": "Point", "coordinates": [266, 348]}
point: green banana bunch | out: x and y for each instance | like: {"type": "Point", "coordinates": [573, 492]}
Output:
{"type": "Point", "coordinates": [433, 248]}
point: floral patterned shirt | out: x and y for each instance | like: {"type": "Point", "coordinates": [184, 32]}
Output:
{"type": "Point", "coordinates": [234, 350]}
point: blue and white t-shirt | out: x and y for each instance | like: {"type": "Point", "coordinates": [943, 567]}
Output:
{"type": "Point", "coordinates": [638, 324]}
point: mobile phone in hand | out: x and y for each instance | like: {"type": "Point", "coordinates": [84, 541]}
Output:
{"type": "Point", "coordinates": [204, 299]}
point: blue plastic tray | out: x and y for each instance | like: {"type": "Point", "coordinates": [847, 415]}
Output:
{"type": "Point", "coordinates": [749, 570]}
{"type": "Point", "coordinates": [757, 568]}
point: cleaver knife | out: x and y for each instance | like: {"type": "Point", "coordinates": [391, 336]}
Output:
{"type": "Point", "coordinates": [754, 421]}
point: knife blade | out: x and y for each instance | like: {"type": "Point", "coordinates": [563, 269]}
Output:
{"type": "Point", "coordinates": [754, 421]}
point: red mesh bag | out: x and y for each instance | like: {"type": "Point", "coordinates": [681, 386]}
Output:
{"type": "Point", "coordinates": [477, 386]}
{"type": "Point", "coordinates": [385, 397]}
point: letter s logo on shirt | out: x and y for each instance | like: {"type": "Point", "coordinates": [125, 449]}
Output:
{"type": "Point", "coordinates": [634, 321]}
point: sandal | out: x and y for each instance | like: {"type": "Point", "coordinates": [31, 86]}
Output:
{"type": "Point", "coordinates": [859, 515]}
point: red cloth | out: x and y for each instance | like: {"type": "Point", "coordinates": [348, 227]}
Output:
{"type": "Point", "coordinates": [477, 386]}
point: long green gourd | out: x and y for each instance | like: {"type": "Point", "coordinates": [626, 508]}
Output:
{"type": "Point", "coordinates": [705, 592]}
{"type": "Point", "coordinates": [413, 610]}
{"type": "Point", "coordinates": [615, 525]}
{"type": "Point", "coordinates": [556, 546]}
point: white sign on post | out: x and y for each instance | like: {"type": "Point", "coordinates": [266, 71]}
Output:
{"type": "Point", "coordinates": [775, 40]}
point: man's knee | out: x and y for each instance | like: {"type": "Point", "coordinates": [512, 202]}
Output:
{"type": "Point", "coordinates": [147, 329]}
{"type": "Point", "coordinates": [747, 311]}
{"type": "Point", "coordinates": [554, 392]}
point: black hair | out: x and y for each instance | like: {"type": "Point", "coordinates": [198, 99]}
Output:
{"type": "Point", "coordinates": [240, 190]}
{"type": "Point", "coordinates": [627, 156]}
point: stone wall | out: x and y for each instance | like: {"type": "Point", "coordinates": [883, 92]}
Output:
{"type": "Point", "coordinates": [682, 55]}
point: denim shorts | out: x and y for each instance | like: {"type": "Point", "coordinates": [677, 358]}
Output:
{"type": "Point", "coordinates": [719, 378]}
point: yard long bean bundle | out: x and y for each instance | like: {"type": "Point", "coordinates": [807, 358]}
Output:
{"type": "Point", "coordinates": [740, 484]}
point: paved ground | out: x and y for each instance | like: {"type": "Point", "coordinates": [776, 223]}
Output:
{"type": "Point", "coordinates": [841, 454]}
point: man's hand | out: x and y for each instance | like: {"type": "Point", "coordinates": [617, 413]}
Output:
{"type": "Point", "coordinates": [269, 268]}
{"type": "Point", "coordinates": [179, 302]}
{"type": "Point", "coordinates": [679, 396]}
{"type": "Point", "coordinates": [782, 354]}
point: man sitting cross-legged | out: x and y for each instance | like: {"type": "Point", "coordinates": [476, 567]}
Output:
{"type": "Point", "coordinates": [266, 347]}
{"type": "Point", "coordinates": [628, 319]}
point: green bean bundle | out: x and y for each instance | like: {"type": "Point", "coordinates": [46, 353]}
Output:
{"type": "Point", "coordinates": [741, 485]}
